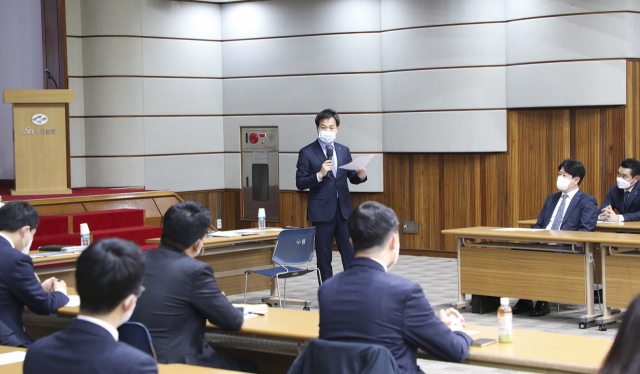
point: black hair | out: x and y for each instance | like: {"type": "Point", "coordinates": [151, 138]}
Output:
{"type": "Point", "coordinates": [370, 225]}
{"type": "Point", "coordinates": [326, 114]}
{"type": "Point", "coordinates": [184, 224]}
{"type": "Point", "coordinates": [15, 215]}
{"type": "Point", "coordinates": [107, 272]}
{"type": "Point", "coordinates": [633, 164]}
{"type": "Point", "coordinates": [623, 356]}
{"type": "Point", "coordinates": [574, 168]}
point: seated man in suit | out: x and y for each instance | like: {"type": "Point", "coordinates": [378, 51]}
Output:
{"type": "Point", "coordinates": [109, 281]}
{"type": "Point", "coordinates": [19, 286]}
{"type": "Point", "coordinates": [365, 304]}
{"type": "Point", "coordinates": [570, 209]}
{"type": "Point", "coordinates": [622, 196]}
{"type": "Point", "coordinates": [182, 294]}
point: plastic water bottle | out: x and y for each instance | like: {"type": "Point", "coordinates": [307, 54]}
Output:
{"type": "Point", "coordinates": [262, 223]}
{"type": "Point", "coordinates": [85, 237]}
{"type": "Point", "coordinates": [505, 321]}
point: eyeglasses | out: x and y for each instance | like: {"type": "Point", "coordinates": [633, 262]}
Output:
{"type": "Point", "coordinates": [140, 291]}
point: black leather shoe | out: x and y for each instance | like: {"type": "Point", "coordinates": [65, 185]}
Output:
{"type": "Point", "coordinates": [541, 309]}
{"type": "Point", "coordinates": [523, 306]}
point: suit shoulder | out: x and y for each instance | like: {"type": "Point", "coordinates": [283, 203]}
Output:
{"type": "Point", "coordinates": [588, 197]}
{"type": "Point", "coordinates": [309, 146]}
{"type": "Point", "coordinates": [125, 354]}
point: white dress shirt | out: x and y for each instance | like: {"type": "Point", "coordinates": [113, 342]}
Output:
{"type": "Point", "coordinates": [7, 238]}
{"type": "Point", "coordinates": [380, 262]}
{"type": "Point", "coordinates": [568, 199]}
{"type": "Point", "coordinates": [112, 330]}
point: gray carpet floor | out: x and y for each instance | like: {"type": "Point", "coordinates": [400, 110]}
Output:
{"type": "Point", "coordinates": [438, 278]}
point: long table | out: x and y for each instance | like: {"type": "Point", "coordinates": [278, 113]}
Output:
{"type": "Point", "coordinates": [287, 332]}
{"type": "Point", "coordinates": [488, 265]}
{"type": "Point", "coordinates": [229, 258]}
{"type": "Point", "coordinates": [16, 368]}
{"type": "Point", "coordinates": [620, 265]}
{"type": "Point", "coordinates": [622, 227]}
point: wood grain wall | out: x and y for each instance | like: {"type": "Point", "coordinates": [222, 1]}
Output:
{"type": "Point", "coordinates": [452, 190]}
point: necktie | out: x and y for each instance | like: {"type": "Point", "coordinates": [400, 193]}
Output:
{"type": "Point", "coordinates": [626, 196]}
{"type": "Point", "coordinates": [558, 220]}
{"type": "Point", "coordinates": [333, 160]}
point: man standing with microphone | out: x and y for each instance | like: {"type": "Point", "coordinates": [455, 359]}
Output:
{"type": "Point", "coordinates": [329, 199]}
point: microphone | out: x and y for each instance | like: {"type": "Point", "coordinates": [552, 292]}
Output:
{"type": "Point", "coordinates": [329, 153]}
{"type": "Point", "coordinates": [50, 76]}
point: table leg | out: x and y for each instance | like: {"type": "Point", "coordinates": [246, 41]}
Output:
{"type": "Point", "coordinates": [588, 276]}
{"type": "Point", "coordinates": [462, 301]}
{"type": "Point", "coordinates": [608, 315]}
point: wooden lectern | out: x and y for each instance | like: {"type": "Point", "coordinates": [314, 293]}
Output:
{"type": "Point", "coordinates": [40, 140]}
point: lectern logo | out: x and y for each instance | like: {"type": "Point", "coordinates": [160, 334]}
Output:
{"type": "Point", "coordinates": [39, 119]}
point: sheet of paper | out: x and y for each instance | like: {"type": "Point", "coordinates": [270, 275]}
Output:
{"type": "Point", "coordinates": [608, 222]}
{"type": "Point", "coordinates": [358, 163]}
{"type": "Point", "coordinates": [50, 254]}
{"type": "Point", "coordinates": [471, 332]}
{"type": "Point", "coordinates": [519, 229]}
{"type": "Point", "coordinates": [12, 357]}
{"type": "Point", "coordinates": [247, 316]}
{"type": "Point", "coordinates": [225, 234]}
{"type": "Point", "coordinates": [74, 300]}
{"type": "Point", "coordinates": [75, 249]}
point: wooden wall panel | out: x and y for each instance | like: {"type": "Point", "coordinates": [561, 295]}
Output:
{"type": "Point", "coordinates": [213, 200]}
{"type": "Point", "coordinates": [632, 111]}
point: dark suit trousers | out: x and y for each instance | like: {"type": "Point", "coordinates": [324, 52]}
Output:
{"type": "Point", "coordinates": [325, 232]}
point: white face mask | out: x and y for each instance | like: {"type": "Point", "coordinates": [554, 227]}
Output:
{"type": "Point", "coordinates": [327, 137]}
{"type": "Point", "coordinates": [128, 314]}
{"type": "Point", "coordinates": [623, 184]}
{"type": "Point", "coordinates": [27, 248]}
{"type": "Point", "coordinates": [201, 247]}
{"type": "Point", "coordinates": [397, 252]}
{"type": "Point", "coordinates": [563, 183]}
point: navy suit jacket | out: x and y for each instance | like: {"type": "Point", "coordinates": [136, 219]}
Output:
{"type": "Point", "coordinates": [322, 196]}
{"type": "Point", "coordinates": [581, 215]}
{"type": "Point", "coordinates": [615, 198]}
{"type": "Point", "coordinates": [364, 304]}
{"type": "Point", "coordinates": [19, 288]}
{"type": "Point", "coordinates": [85, 347]}
{"type": "Point", "coordinates": [181, 295]}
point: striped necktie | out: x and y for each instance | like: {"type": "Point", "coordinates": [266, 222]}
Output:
{"type": "Point", "coordinates": [557, 222]}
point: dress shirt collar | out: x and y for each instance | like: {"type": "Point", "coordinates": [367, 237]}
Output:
{"type": "Point", "coordinates": [631, 188]}
{"type": "Point", "coordinates": [380, 262]}
{"type": "Point", "coordinates": [7, 239]}
{"type": "Point", "coordinates": [112, 330]}
{"type": "Point", "coordinates": [324, 146]}
{"type": "Point", "coordinates": [572, 193]}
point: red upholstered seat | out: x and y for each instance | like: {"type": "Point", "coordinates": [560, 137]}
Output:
{"type": "Point", "coordinates": [107, 219]}
{"type": "Point", "coordinates": [137, 234]}
{"type": "Point", "coordinates": [53, 225]}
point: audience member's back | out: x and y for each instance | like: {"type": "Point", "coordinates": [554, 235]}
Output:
{"type": "Point", "coordinates": [623, 358]}
{"type": "Point", "coordinates": [365, 304]}
{"type": "Point", "coordinates": [182, 294]}
{"type": "Point", "coordinates": [108, 278]}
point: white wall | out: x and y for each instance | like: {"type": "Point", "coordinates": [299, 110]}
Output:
{"type": "Point", "coordinates": [20, 65]}
{"type": "Point", "coordinates": [148, 109]}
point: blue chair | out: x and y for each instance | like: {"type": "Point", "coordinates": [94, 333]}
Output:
{"type": "Point", "coordinates": [294, 247]}
{"type": "Point", "coordinates": [136, 335]}
{"type": "Point", "coordinates": [325, 356]}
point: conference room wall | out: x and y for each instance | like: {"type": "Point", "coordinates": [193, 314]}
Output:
{"type": "Point", "coordinates": [147, 79]}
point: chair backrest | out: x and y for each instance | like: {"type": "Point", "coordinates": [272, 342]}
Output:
{"type": "Point", "coordinates": [325, 356]}
{"type": "Point", "coordinates": [136, 335]}
{"type": "Point", "coordinates": [295, 246]}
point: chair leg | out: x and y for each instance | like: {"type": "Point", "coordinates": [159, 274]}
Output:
{"type": "Point", "coordinates": [278, 287]}
{"type": "Point", "coordinates": [319, 279]}
{"type": "Point", "coordinates": [284, 299]}
{"type": "Point", "coordinates": [246, 279]}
